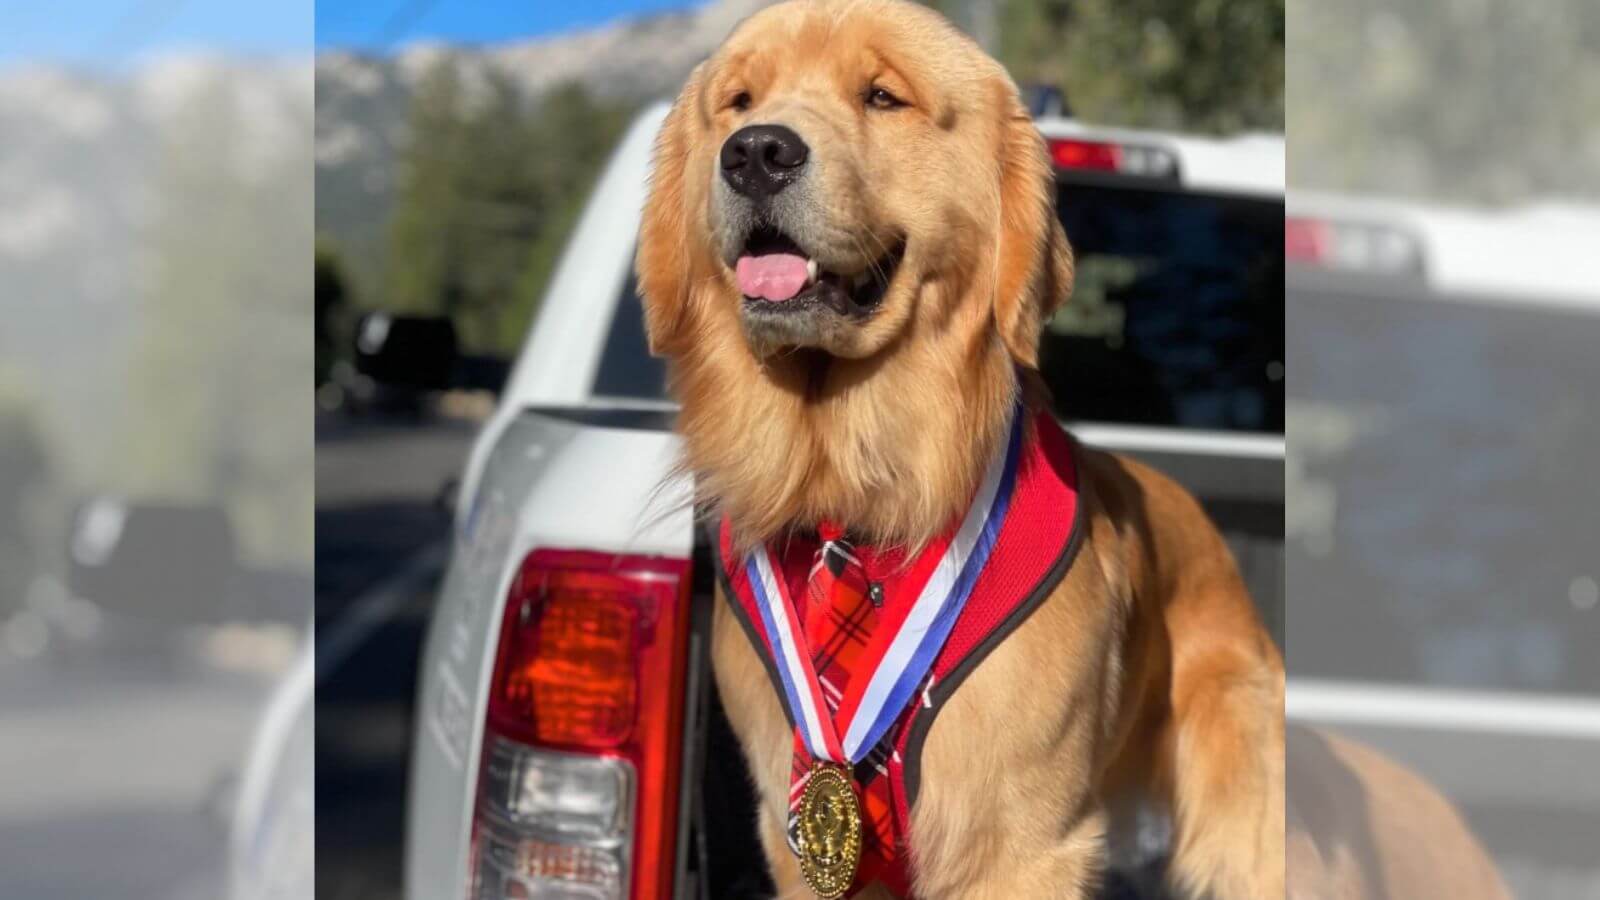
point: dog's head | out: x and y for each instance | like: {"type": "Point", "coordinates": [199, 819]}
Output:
{"type": "Point", "coordinates": [843, 172]}
{"type": "Point", "coordinates": [848, 248]}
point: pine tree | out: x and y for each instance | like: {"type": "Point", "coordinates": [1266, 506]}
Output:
{"type": "Point", "coordinates": [222, 375]}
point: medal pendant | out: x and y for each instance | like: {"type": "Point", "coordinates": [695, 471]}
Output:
{"type": "Point", "coordinates": [830, 831]}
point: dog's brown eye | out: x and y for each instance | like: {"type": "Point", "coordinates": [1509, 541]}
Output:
{"type": "Point", "coordinates": [740, 101]}
{"type": "Point", "coordinates": [878, 98]}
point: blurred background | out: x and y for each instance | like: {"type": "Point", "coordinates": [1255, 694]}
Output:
{"type": "Point", "coordinates": [457, 146]}
{"type": "Point", "coordinates": [1443, 312]}
{"type": "Point", "coordinates": [456, 143]}
{"type": "Point", "coordinates": [155, 452]}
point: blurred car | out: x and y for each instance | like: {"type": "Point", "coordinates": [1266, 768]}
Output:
{"type": "Point", "coordinates": [157, 585]}
{"type": "Point", "coordinates": [568, 742]}
{"type": "Point", "coordinates": [141, 578]}
{"type": "Point", "coordinates": [401, 366]}
{"type": "Point", "coordinates": [1442, 537]}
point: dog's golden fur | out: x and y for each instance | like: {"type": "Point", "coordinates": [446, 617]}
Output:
{"type": "Point", "coordinates": [1146, 676]}
{"type": "Point", "coordinates": [914, 421]}
{"type": "Point", "coordinates": [1361, 826]}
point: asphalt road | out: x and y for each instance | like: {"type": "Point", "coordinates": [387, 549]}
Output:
{"type": "Point", "coordinates": [116, 777]}
{"type": "Point", "coordinates": [379, 484]}
{"type": "Point", "coordinates": [381, 537]}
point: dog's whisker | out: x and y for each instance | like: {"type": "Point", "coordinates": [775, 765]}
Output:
{"type": "Point", "coordinates": [872, 262]}
{"type": "Point", "coordinates": [883, 258]}
{"type": "Point", "coordinates": [859, 227]}
{"type": "Point", "coordinates": [883, 248]}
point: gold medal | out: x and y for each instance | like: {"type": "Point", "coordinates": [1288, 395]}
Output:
{"type": "Point", "coordinates": [829, 831]}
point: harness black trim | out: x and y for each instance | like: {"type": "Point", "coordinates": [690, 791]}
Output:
{"type": "Point", "coordinates": [922, 719]}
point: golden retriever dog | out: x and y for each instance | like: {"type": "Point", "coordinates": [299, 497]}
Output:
{"type": "Point", "coordinates": [1362, 827]}
{"type": "Point", "coordinates": [874, 143]}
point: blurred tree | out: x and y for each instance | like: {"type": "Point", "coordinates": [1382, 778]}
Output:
{"type": "Point", "coordinates": [1408, 97]}
{"type": "Point", "coordinates": [333, 302]}
{"type": "Point", "coordinates": [24, 470]}
{"type": "Point", "coordinates": [424, 230]}
{"type": "Point", "coordinates": [489, 186]}
{"type": "Point", "coordinates": [223, 372]}
{"type": "Point", "coordinates": [574, 134]}
{"type": "Point", "coordinates": [1190, 65]}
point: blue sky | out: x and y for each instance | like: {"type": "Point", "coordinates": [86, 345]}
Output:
{"type": "Point", "coordinates": [116, 32]}
{"type": "Point", "coordinates": [380, 24]}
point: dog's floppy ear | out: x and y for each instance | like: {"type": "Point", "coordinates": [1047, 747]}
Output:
{"type": "Point", "coordinates": [1034, 261]}
{"type": "Point", "coordinates": [665, 259]}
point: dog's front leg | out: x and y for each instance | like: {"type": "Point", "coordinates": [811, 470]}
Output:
{"type": "Point", "coordinates": [1025, 862]}
{"type": "Point", "coordinates": [759, 722]}
{"type": "Point", "coordinates": [1006, 805]}
{"type": "Point", "coordinates": [1002, 814]}
{"type": "Point", "coordinates": [781, 863]}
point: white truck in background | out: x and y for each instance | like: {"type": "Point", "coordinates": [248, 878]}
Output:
{"type": "Point", "coordinates": [1440, 544]}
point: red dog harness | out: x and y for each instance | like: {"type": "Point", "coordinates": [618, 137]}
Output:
{"type": "Point", "coordinates": [935, 619]}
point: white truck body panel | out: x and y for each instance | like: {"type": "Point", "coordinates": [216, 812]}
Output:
{"type": "Point", "coordinates": [1537, 254]}
{"type": "Point", "coordinates": [562, 349]}
{"type": "Point", "coordinates": [1250, 164]}
{"type": "Point", "coordinates": [549, 483]}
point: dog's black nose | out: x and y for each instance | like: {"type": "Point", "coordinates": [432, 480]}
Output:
{"type": "Point", "coordinates": [758, 161]}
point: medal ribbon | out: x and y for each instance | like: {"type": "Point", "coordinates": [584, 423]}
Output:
{"type": "Point", "coordinates": [907, 638]}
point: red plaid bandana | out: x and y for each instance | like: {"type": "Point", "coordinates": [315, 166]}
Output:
{"type": "Point", "coordinates": [841, 613]}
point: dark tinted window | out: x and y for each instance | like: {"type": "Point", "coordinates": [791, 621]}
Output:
{"type": "Point", "coordinates": [1444, 511]}
{"type": "Point", "coordinates": [1176, 316]}
{"type": "Point", "coordinates": [626, 367]}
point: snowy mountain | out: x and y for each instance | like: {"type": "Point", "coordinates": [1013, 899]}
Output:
{"type": "Point", "coordinates": [92, 164]}
{"type": "Point", "coordinates": [363, 100]}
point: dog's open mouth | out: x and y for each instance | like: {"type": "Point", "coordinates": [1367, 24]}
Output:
{"type": "Point", "coordinates": [776, 275]}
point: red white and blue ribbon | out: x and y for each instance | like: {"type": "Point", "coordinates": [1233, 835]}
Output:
{"type": "Point", "coordinates": [909, 636]}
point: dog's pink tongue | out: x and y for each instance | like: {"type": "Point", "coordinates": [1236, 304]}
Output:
{"type": "Point", "coordinates": [771, 276]}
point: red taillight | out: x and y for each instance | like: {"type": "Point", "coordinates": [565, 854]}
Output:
{"type": "Point", "coordinates": [569, 673]}
{"type": "Point", "coordinates": [1093, 155]}
{"type": "Point", "coordinates": [1305, 241]}
{"type": "Point", "coordinates": [1146, 161]}
{"type": "Point", "coordinates": [578, 791]}
{"type": "Point", "coordinates": [1352, 246]}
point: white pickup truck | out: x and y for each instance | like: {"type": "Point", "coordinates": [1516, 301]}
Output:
{"type": "Point", "coordinates": [568, 743]}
